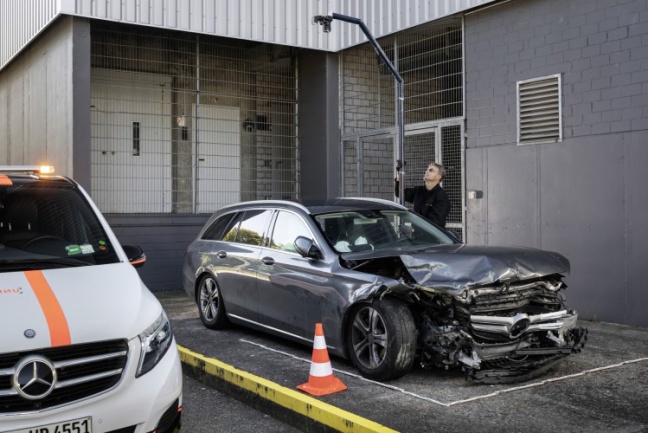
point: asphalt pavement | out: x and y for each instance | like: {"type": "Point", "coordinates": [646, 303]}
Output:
{"type": "Point", "coordinates": [603, 389]}
{"type": "Point", "coordinates": [207, 410]}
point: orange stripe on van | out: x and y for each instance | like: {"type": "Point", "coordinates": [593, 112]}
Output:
{"type": "Point", "coordinates": [5, 181]}
{"type": "Point", "coordinates": [56, 321]}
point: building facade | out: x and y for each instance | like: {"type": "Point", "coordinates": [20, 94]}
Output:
{"type": "Point", "coordinates": [166, 111]}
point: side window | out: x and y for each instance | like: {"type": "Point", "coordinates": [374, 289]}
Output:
{"type": "Point", "coordinates": [286, 229]}
{"type": "Point", "coordinates": [253, 226]}
{"type": "Point", "coordinates": [232, 228]}
{"type": "Point", "coordinates": [221, 225]}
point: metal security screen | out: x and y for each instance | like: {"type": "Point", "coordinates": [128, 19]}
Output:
{"type": "Point", "coordinates": [420, 151]}
{"type": "Point", "coordinates": [430, 60]}
{"type": "Point", "coordinates": [442, 145]}
{"type": "Point", "coordinates": [187, 124]}
{"type": "Point", "coordinates": [451, 154]}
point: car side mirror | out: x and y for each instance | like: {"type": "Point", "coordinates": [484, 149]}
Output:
{"type": "Point", "coordinates": [307, 248]}
{"type": "Point", "coordinates": [135, 255]}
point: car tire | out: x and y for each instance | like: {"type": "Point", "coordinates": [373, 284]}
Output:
{"type": "Point", "coordinates": [210, 304]}
{"type": "Point", "coordinates": [381, 339]}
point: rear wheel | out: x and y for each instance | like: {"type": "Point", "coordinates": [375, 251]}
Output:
{"type": "Point", "coordinates": [210, 304]}
{"type": "Point", "coordinates": [381, 339]}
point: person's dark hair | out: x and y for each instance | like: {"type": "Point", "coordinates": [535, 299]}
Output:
{"type": "Point", "coordinates": [442, 170]}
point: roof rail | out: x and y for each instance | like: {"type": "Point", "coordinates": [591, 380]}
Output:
{"type": "Point", "coordinates": [375, 200]}
{"type": "Point", "coordinates": [271, 202]}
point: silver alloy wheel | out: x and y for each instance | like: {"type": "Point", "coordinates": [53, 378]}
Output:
{"type": "Point", "coordinates": [209, 299]}
{"type": "Point", "coordinates": [369, 337]}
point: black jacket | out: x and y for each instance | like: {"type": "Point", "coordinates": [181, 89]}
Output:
{"type": "Point", "coordinates": [433, 205]}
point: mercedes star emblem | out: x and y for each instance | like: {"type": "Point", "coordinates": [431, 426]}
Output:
{"type": "Point", "coordinates": [35, 377]}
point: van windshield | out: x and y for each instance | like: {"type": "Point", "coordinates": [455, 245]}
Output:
{"type": "Point", "coordinates": [49, 223]}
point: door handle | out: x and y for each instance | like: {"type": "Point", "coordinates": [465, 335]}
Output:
{"type": "Point", "coordinates": [221, 254]}
{"type": "Point", "coordinates": [267, 261]}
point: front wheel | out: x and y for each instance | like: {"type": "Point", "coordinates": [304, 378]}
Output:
{"type": "Point", "coordinates": [381, 339]}
{"type": "Point", "coordinates": [210, 304]}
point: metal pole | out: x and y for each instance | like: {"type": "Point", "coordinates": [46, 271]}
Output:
{"type": "Point", "coordinates": [400, 139]}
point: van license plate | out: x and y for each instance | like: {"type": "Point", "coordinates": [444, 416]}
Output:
{"type": "Point", "coordinates": [82, 425]}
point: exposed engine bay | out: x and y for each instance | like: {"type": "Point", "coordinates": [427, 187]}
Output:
{"type": "Point", "coordinates": [500, 331]}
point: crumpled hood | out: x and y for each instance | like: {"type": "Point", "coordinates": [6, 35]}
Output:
{"type": "Point", "coordinates": [55, 307]}
{"type": "Point", "coordinates": [458, 267]}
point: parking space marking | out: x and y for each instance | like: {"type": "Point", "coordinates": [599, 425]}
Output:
{"type": "Point", "coordinates": [354, 375]}
{"type": "Point", "coordinates": [468, 400]}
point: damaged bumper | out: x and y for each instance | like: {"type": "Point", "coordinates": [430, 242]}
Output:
{"type": "Point", "coordinates": [522, 323]}
{"type": "Point", "coordinates": [536, 343]}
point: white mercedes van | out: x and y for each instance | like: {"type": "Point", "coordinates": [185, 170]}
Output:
{"type": "Point", "coordinates": [84, 346]}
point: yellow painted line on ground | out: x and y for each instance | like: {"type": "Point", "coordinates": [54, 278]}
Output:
{"type": "Point", "coordinates": [303, 404]}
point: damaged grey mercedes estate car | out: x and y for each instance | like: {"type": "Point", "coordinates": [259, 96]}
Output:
{"type": "Point", "coordinates": [390, 289]}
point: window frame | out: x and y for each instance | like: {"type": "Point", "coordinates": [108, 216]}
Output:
{"type": "Point", "coordinates": [268, 243]}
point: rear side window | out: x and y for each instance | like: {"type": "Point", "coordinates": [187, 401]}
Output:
{"type": "Point", "coordinates": [220, 226]}
{"type": "Point", "coordinates": [249, 227]}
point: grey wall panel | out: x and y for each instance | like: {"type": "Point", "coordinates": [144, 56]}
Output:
{"type": "Point", "coordinates": [636, 205]}
{"type": "Point", "coordinates": [511, 196]}
{"type": "Point", "coordinates": [164, 239]}
{"type": "Point", "coordinates": [384, 17]}
{"type": "Point", "coordinates": [4, 122]}
{"type": "Point", "coordinates": [319, 134]}
{"type": "Point", "coordinates": [20, 22]}
{"type": "Point", "coordinates": [476, 209]}
{"type": "Point", "coordinates": [37, 102]}
{"type": "Point", "coordinates": [79, 81]}
{"type": "Point", "coordinates": [584, 197]}
{"type": "Point", "coordinates": [285, 22]}
{"type": "Point", "coordinates": [582, 216]}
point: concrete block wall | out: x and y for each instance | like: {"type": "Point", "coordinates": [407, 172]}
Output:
{"type": "Point", "coordinates": [599, 47]}
{"type": "Point", "coordinates": [363, 99]}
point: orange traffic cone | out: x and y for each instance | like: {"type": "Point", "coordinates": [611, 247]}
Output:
{"type": "Point", "coordinates": [321, 380]}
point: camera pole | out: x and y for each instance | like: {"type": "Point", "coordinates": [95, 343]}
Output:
{"type": "Point", "coordinates": [325, 21]}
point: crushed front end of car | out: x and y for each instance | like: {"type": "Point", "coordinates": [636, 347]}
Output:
{"type": "Point", "coordinates": [502, 333]}
{"type": "Point", "coordinates": [499, 313]}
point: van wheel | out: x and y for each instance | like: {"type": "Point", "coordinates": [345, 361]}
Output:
{"type": "Point", "coordinates": [210, 304]}
{"type": "Point", "coordinates": [381, 339]}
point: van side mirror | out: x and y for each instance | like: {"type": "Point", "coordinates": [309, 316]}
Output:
{"type": "Point", "coordinates": [135, 255]}
{"type": "Point", "coordinates": [307, 248]}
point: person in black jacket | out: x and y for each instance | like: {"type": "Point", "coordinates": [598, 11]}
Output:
{"type": "Point", "coordinates": [430, 200]}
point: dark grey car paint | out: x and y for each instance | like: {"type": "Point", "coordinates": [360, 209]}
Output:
{"type": "Point", "coordinates": [455, 268]}
{"type": "Point", "coordinates": [327, 290]}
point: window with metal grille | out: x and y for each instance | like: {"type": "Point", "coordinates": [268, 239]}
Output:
{"type": "Point", "coordinates": [539, 110]}
{"type": "Point", "coordinates": [429, 59]}
{"type": "Point", "coordinates": [182, 123]}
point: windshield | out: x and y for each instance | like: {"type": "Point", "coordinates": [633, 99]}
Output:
{"type": "Point", "coordinates": [352, 231]}
{"type": "Point", "coordinates": [48, 224]}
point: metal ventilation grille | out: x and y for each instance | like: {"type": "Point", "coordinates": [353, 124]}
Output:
{"type": "Point", "coordinates": [539, 110]}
